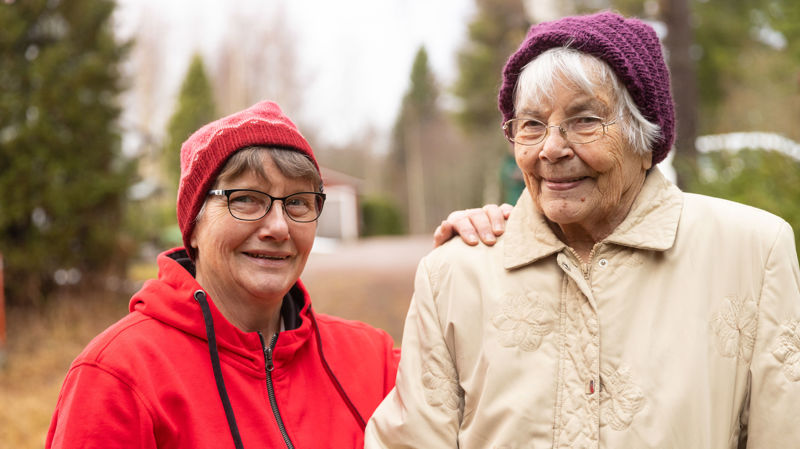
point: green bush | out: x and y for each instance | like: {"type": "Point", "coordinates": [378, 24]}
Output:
{"type": "Point", "coordinates": [381, 217]}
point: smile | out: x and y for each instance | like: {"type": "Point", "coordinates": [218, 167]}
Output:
{"type": "Point", "coordinates": [563, 183]}
{"type": "Point", "coordinates": [266, 257]}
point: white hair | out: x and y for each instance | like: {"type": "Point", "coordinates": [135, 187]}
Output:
{"type": "Point", "coordinates": [537, 83]}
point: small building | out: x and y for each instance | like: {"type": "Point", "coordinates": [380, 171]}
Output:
{"type": "Point", "coordinates": [340, 218]}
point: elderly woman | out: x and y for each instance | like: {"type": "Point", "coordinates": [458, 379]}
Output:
{"type": "Point", "coordinates": [615, 311]}
{"type": "Point", "coordinates": [224, 349]}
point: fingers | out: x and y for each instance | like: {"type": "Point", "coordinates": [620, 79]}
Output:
{"type": "Point", "coordinates": [497, 218]}
{"type": "Point", "coordinates": [506, 208]}
{"type": "Point", "coordinates": [474, 225]}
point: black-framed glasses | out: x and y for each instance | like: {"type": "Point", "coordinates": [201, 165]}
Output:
{"type": "Point", "coordinates": [252, 205]}
{"type": "Point", "coordinates": [578, 129]}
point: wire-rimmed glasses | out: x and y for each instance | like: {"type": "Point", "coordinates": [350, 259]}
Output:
{"type": "Point", "coordinates": [578, 129]}
{"type": "Point", "coordinates": [252, 205]}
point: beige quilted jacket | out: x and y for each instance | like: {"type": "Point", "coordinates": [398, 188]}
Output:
{"type": "Point", "coordinates": [681, 332]}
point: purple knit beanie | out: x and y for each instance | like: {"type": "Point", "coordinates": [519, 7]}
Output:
{"type": "Point", "coordinates": [629, 46]}
{"type": "Point", "coordinates": [207, 150]}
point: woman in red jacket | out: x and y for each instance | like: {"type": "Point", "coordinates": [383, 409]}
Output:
{"type": "Point", "coordinates": [224, 349]}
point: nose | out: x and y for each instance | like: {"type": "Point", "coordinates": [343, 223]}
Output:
{"type": "Point", "coordinates": [275, 225]}
{"type": "Point", "coordinates": [555, 146]}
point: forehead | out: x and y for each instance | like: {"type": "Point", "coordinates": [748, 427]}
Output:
{"type": "Point", "coordinates": [268, 179]}
{"type": "Point", "coordinates": [567, 97]}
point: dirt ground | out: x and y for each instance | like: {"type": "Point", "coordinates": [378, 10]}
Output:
{"type": "Point", "coordinates": [369, 280]}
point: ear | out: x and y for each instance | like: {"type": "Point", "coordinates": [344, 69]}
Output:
{"type": "Point", "coordinates": [647, 160]}
{"type": "Point", "coordinates": [193, 238]}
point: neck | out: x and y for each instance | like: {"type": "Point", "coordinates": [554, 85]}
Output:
{"type": "Point", "coordinates": [248, 315]}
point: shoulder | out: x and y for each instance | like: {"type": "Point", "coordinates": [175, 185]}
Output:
{"type": "Point", "coordinates": [717, 224]}
{"type": "Point", "coordinates": [729, 215]}
{"type": "Point", "coordinates": [115, 338]}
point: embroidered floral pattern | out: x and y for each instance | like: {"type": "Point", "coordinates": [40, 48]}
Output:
{"type": "Point", "coordinates": [620, 398]}
{"type": "Point", "coordinates": [523, 321]}
{"type": "Point", "coordinates": [787, 349]}
{"type": "Point", "coordinates": [735, 326]}
{"type": "Point", "coordinates": [440, 380]}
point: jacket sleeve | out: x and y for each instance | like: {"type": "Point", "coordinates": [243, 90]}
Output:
{"type": "Point", "coordinates": [97, 410]}
{"type": "Point", "coordinates": [775, 368]}
{"type": "Point", "coordinates": [425, 407]}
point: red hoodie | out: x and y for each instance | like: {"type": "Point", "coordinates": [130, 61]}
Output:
{"type": "Point", "coordinates": [148, 382]}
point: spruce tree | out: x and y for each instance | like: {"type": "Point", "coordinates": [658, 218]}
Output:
{"type": "Point", "coordinates": [63, 179]}
{"type": "Point", "coordinates": [194, 108]}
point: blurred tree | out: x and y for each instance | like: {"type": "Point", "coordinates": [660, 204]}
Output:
{"type": "Point", "coordinates": [63, 178]}
{"type": "Point", "coordinates": [193, 109]}
{"type": "Point", "coordinates": [258, 60]}
{"type": "Point", "coordinates": [679, 42]}
{"type": "Point", "coordinates": [495, 32]}
{"type": "Point", "coordinates": [405, 173]}
{"type": "Point", "coordinates": [425, 161]}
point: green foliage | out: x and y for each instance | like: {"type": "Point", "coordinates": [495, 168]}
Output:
{"type": "Point", "coordinates": [63, 178]}
{"type": "Point", "coordinates": [496, 31]}
{"type": "Point", "coordinates": [195, 107]}
{"type": "Point", "coordinates": [406, 174]}
{"type": "Point", "coordinates": [494, 34]}
{"type": "Point", "coordinates": [768, 180]}
{"type": "Point", "coordinates": [381, 217]}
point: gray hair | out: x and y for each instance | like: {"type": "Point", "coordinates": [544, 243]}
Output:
{"type": "Point", "coordinates": [290, 163]}
{"type": "Point", "coordinates": [588, 73]}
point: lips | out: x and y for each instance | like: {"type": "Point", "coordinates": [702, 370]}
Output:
{"type": "Point", "coordinates": [564, 183]}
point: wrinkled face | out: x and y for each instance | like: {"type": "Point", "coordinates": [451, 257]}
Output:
{"type": "Point", "coordinates": [589, 185]}
{"type": "Point", "coordinates": [252, 259]}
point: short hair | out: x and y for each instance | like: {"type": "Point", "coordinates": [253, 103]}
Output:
{"type": "Point", "coordinates": [290, 163]}
{"type": "Point", "coordinates": [588, 73]}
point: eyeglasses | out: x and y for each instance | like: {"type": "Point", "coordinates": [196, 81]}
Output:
{"type": "Point", "coordinates": [579, 129]}
{"type": "Point", "coordinates": [252, 205]}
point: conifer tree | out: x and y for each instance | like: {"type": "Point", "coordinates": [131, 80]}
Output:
{"type": "Point", "coordinates": [63, 179]}
{"type": "Point", "coordinates": [194, 108]}
{"type": "Point", "coordinates": [494, 34]}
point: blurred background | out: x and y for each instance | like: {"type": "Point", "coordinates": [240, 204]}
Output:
{"type": "Point", "coordinates": [398, 99]}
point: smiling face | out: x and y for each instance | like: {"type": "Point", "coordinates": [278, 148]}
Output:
{"type": "Point", "coordinates": [585, 189]}
{"type": "Point", "coordinates": [255, 262]}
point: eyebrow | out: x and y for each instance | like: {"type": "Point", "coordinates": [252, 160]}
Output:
{"type": "Point", "coordinates": [583, 104]}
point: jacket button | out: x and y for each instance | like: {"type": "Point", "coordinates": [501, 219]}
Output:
{"type": "Point", "coordinates": [565, 265]}
{"type": "Point", "coordinates": [603, 262]}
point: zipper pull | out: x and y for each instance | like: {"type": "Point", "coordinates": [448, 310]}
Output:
{"type": "Point", "coordinates": [270, 365]}
{"type": "Point", "coordinates": [268, 358]}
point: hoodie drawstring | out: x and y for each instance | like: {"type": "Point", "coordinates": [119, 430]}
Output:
{"type": "Point", "coordinates": [200, 297]}
{"type": "Point", "coordinates": [359, 419]}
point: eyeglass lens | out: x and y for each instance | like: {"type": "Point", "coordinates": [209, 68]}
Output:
{"type": "Point", "coordinates": [575, 129]}
{"type": "Point", "coordinates": [252, 205]}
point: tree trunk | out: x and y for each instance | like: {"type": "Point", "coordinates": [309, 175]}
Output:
{"type": "Point", "coordinates": [680, 38]}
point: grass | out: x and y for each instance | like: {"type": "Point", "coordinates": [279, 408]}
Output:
{"type": "Point", "coordinates": [41, 345]}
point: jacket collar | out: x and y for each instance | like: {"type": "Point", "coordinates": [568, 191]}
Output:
{"type": "Point", "coordinates": [651, 224]}
{"type": "Point", "coordinates": [170, 300]}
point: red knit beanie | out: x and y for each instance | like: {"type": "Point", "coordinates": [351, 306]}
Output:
{"type": "Point", "coordinates": [207, 150]}
{"type": "Point", "coordinates": [630, 46]}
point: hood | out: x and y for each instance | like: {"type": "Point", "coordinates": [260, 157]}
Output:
{"type": "Point", "coordinates": [170, 300]}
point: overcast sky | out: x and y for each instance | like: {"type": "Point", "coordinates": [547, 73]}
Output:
{"type": "Point", "coordinates": [358, 53]}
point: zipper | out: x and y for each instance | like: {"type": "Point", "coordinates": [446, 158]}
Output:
{"type": "Point", "coordinates": [586, 267]}
{"type": "Point", "coordinates": [269, 366]}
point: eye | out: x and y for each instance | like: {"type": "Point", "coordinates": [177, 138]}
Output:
{"type": "Point", "coordinates": [529, 125]}
{"type": "Point", "coordinates": [584, 123]}
{"type": "Point", "coordinates": [296, 201]}
{"type": "Point", "coordinates": [243, 198]}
